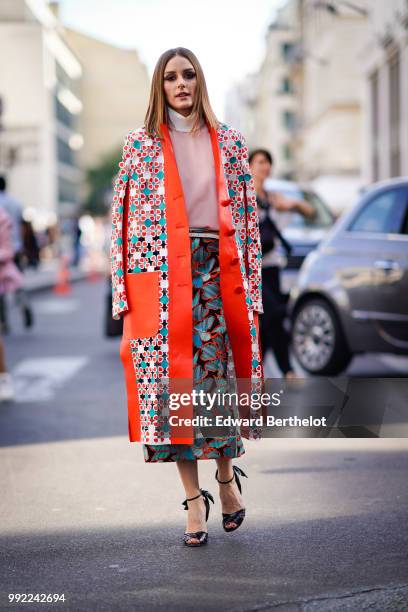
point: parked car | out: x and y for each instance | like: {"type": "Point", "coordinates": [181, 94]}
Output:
{"type": "Point", "coordinates": [351, 295]}
{"type": "Point", "coordinates": [303, 234]}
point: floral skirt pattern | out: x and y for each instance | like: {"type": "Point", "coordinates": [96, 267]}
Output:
{"type": "Point", "coordinates": [209, 356]}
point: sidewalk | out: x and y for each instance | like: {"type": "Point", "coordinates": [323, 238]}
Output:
{"type": "Point", "coordinates": [82, 514]}
{"type": "Point", "coordinates": [46, 275]}
{"type": "Point", "coordinates": [325, 531]}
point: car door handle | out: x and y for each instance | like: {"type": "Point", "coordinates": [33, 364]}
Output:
{"type": "Point", "coordinates": [386, 264]}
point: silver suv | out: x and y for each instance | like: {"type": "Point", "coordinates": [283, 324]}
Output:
{"type": "Point", "coordinates": [351, 295]}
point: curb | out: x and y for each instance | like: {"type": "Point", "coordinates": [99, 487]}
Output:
{"type": "Point", "coordinates": [34, 285]}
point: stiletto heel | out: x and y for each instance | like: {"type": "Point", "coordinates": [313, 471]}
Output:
{"type": "Point", "coordinates": [238, 516]}
{"type": "Point", "coordinates": [201, 536]}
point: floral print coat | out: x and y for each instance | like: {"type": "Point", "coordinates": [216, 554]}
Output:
{"type": "Point", "coordinates": [152, 281]}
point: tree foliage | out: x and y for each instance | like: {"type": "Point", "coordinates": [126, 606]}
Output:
{"type": "Point", "coordinates": [99, 179]}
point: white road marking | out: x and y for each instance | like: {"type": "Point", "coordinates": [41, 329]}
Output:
{"type": "Point", "coordinates": [37, 380]}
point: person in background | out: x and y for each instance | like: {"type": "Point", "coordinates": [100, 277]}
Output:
{"type": "Point", "coordinates": [14, 209]}
{"type": "Point", "coordinates": [273, 333]}
{"type": "Point", "coordinates": [11, 279]}
{"type": "Point", "coordinates": [31, 245]}
{"type": "Point", "coordinates": [53, 241]}
{"type": "Point", "coordinates": [76, 238]}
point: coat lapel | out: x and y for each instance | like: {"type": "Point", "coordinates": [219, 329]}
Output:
{"type": "Point", "coordinates": [180, 322]}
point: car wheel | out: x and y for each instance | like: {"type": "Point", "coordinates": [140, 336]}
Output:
{"type": "Point", "coordinates": [318, 340]}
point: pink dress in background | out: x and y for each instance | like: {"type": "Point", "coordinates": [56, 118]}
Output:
{"type": "Point", "coordinates": [10, 276]}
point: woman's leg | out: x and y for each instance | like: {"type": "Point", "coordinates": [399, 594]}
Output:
{"type": "Point", "coordinates": [188, 471]}
{"type": "Point", "coordinates": [280, 341]}
{"type": "Point", "coordinates": [230, 496]}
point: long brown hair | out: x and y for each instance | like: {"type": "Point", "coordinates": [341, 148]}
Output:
{"type": "Point", "coordinates": [157, 111]}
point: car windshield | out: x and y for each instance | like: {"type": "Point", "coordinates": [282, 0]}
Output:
{"type": "Point", "coordinates": [323, 217]}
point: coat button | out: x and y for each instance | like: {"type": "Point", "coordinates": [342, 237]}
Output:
{"type": "Point", "coordinates": [225, 202]}
{"type": "Point", "coordinates": [239, 289]}
{"type": "Point", "coordinates": [230, 232]}
{"type": "Point", "coordinates": [234, 261]}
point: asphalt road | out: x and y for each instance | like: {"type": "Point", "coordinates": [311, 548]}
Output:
{"type": "Point", "coordinates": [83, 515]}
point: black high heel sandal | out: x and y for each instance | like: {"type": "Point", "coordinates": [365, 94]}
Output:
{"type": "Point", "coordinates": [238, 516]}
{"type": "Point", "coordinates": [201, 536]}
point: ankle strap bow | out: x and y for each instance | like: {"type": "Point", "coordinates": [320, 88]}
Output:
{"type": "Point", "coordinates": [237, 470]}
{"type": "Point", "coordinates": [207, 496]}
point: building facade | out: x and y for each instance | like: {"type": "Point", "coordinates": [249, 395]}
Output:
{"type": "Point", "coordinates": [265, 105]}
{"type": "Point", "coordinates": [67, 100]}
{"type": "Point", "coordinates": [330, 145]}
{"type": "Point", "coordinates": [308, 107]}
{"type": "Point", "coordinates": [385, 70]}
{"type": "Point", "coordinates": [278, 97]}
{"type": "Point", "coordinates": [241, 107]}
{"type": "Point", "coordinates": [115, 94]}
{"type": "Point", "coordinates": [40, 91]}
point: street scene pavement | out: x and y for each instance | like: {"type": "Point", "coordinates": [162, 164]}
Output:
{"type": "Point", "coordinates": [296, 192]}
{"type": "Point", "coordinates": [83, 515]}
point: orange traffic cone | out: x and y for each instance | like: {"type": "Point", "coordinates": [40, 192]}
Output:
{"type": "Point", "coordinates": [62, 286]}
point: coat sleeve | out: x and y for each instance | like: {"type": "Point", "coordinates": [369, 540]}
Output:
{"type": "Point", "coordinates": [253, 246]}
{"type": "Point", "coordinates": [119, 298]}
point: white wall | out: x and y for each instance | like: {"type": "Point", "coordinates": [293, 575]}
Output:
{"type": "Point", "coordinates": [385, 27]}
{"type": "Point", "coordinates": [26, 113]}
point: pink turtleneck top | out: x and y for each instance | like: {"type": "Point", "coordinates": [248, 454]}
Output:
{"type": "Point", "coordinates": [195, 163]}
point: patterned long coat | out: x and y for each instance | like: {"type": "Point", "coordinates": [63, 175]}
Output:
{"type": "Point", "coordinates": [152, 278]}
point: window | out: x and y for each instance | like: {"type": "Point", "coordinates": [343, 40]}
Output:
{"type": "Point", "coordinates": [287, 152]}
{"type": "Point", "coordinates": [65, 153]}
{"type": "Point", "coordinates": [322, 218]}
{"type": "Point", "coordinates": [382, 214]}
{"type": "Point", "coordinates": [286, 85]}
{"type": "Point", "coordinates": [287, 52]}
{"type": "Point", "coordinates": [374, 93]}
{"type": "Point", "coordinates": [404, 229]}
{"type": "Point", "coordinates": [395, 118]}
{"type": "Point", "coordinates": [63, 115]}
{"type": "Point", "coordinates": [404, 224]}
{"type": "Point", "coordinates": [288, 119]}
{"type": "Point", "coordinates": [66, 81]}
{"type": "Point", "coordinates": [68, 191]}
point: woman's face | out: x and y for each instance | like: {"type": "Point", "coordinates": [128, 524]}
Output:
{"type": "Point", "coordinates": [260, 166]}
{"type": "Point", "coordinates": [180, 77]}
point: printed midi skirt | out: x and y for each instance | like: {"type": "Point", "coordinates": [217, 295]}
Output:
{"type": "Point", "coordinates": [209, 352]}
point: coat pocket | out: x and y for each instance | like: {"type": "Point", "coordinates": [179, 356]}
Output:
{"type": "Point", "coordinates": [143, 317]}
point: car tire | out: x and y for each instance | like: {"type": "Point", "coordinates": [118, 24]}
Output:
{"type": "Point", "coordinates": [318, 340]}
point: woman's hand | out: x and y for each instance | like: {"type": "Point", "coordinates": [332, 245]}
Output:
{"type": "Point", "coordinates": [285, 204]}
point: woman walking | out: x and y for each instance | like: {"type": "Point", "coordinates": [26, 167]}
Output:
{"type": "Point", "coordinates": [10, 280]}
{"type": "Point", "coordinates": [186, 278]}
{"type": "Point", "coordinates": [274, 335]}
